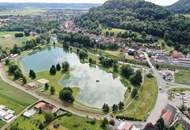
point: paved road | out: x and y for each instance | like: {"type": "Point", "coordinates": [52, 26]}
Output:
{"type": "Point", "coordinates": [162, 99]}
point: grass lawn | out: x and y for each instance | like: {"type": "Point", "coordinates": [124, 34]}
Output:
{"type": "Point", "coordinates": [8, 40]}
{"type": "Point", "coordinates": [144, 102]}
{"type": "Point", "coordinates": [182, 77]}
{"type": "Point", "coordinates": [54, 81]}
{"type": "Point", "coordinates": [13, 98]}
{"type": "Point", "coordinates": [75, 123]}
{"type": "Point", "coordinates": [2, 123]}
{"type": "Point", "coordinates": [179, 127]}
{"type": "Point", "coordinates": [22, 12]}
{"type": "Point", "coordinates": [29, 123]}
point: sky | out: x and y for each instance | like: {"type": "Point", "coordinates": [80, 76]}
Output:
{"type": "Point", "coordinates": [159, 2]}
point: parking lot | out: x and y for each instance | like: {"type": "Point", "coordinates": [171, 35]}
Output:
{"type": "Point", "coordinates": [182, 98]}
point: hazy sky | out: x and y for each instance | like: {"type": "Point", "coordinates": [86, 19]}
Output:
{"type": "Point", "coordinates": [160, 2]}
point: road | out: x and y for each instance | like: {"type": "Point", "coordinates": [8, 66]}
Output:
{"type": "Point", "coordinates": [162, 99]}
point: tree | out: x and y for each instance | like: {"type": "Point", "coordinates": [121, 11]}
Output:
{"type": "Point", "coordinates": [104, 123]}
{"type": "Point", "coordinates": [136, 79]}
{"type": "Point", "coordinates": [52, 70]}
{"type": "Point", "coordinates": [134, 93]}
{"type": "Point", "coordinates": [18, 74]}
{"type": "Point", "coordinates": [121, 106]}
{"type": "Point", "coordinates": [105, 108]}
{"type": "Point", "coordinates": [46, 87]}
{"type": "Point", "coordinates": [52, 90]}
{"type": "Point", "coordinates": [32, 74]}
{"type": "Point", "coordinates": [112, 122]}
{"type": "Point", "coordinates": [7, 61]}
{"type": "Point", "coordinates": [115, 68]}
{"type": "Point", "coordinates": [65, 66]}
{"type": "Point", "coordinates": [24, 80]}
{"type": "Point", "coordinates": [66, 95]}
{"type": "Point", "coordinates": [83, 54]}
{"type": "Point", "coordinates": [58, 67]}
{"type": "Point", "coordinates": [114, 108]}
{"type": "Point", "coordinates": [160, 124]}
{"type": "Point", "coordinates": [19, 34]}
{"type": "Point", "coordinates": [48, 117]}
{"type": "Point", "coordinates": [126, 71]}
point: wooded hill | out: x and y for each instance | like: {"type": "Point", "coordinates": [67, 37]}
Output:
{"type": "Point", "coordinates": [182, 6]}
{"type": "Point", "coordinates": [139, 16]}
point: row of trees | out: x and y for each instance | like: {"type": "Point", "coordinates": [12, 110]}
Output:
{"type": "Point", "coordinates": [64, 67]}
{"type": "Point", "coordinates": [115, 107]}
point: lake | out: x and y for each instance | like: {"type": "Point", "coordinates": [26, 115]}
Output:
{"type": "Point", "coordinates": [96, 85]}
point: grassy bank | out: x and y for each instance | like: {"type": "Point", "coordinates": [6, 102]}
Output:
{"type": "Point", "coordinates": [145, 101]}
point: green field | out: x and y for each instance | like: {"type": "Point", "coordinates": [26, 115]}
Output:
{"type": "Point", "coordinates": [75, 123]}
{"type": "Point", "coordinates": [8, 40]}
{"type": "Point", "coordinates": [22, 12]}
{"type": "Point", "coordinates": [14, 98]}
{"type": "Point", "coordinates": [182, 77]}
{"type": "Point", "coordinates": [145, 101]}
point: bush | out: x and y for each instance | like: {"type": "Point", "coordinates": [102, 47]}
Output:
{"type": "Point", "coordinates": [19, 34]}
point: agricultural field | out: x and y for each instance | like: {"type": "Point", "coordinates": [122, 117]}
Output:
{"type": "Point", "coordinates": [8, 40]}
{"type": "Point", "coordinates": [182, 77]}
{"type": "Point", "coordinates": [13, 98]}
{"type": "Point", "coordinates": [144, 102]}
{"type": "Point", "coordinates": [22, 12]}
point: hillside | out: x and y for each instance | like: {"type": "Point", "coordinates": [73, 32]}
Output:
{"type": "Point", "coordinates": [182, 6]}
{"type": "Point", "coordinates": [139, 16]}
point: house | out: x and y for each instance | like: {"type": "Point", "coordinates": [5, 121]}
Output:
{"type": "Point", "coordinates": [32, 85]}
{"type": "Point", "coordinates": [169, 115]}
{"type": "Point", "coordinates": [5, 113]}
{"type": "Point", "coordinates": [176, 55]}
{"type": "Point", "coordinates": [127, 126]}
{"type": "Point", "coordinates": [47, 107]}
{"type": "Point", "coordinates": [29, 113]}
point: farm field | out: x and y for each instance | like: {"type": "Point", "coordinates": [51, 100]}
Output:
{"type": "Point", "coordinates": [22, 12]}
{"type": "Point", "coordinates": [182, 77]}
{"type": "Point", "coordinates": [13, 98]}
{"type": "Point", "coordinates": [8, 40]}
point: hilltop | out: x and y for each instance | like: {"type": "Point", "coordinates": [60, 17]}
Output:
{"type": "Point", "coordinates": [182, 6]}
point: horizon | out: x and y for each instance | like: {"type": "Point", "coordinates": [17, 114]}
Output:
{"type": "Point", "coordinates": [158, 2]}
